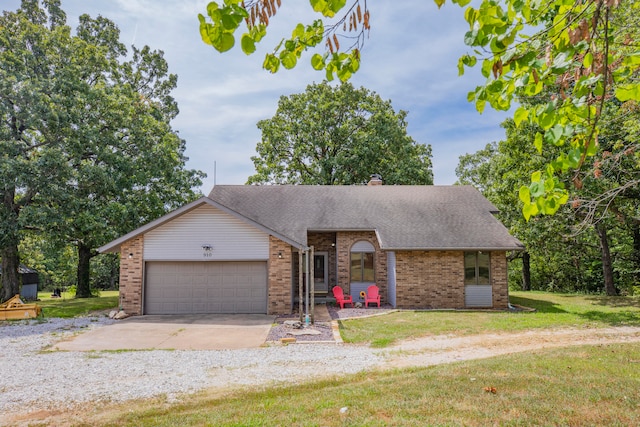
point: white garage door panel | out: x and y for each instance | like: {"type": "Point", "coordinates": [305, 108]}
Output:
{"type": "Point", "coordinates": [205, 287]}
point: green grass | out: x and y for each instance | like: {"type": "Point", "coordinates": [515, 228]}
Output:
{"type": "Point", "coordinates": [591, 385]}
{"type": "Point", "coordinates": [68, 306]}
{"type": "Point", "coordinates": [552, 311]}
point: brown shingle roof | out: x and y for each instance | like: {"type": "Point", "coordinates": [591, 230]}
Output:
{"type": "Point", "coordinates": [404, 217]}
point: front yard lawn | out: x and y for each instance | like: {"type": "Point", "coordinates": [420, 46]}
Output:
{"type": "Point", "coordinates": [552, 311]}
{"type": "Point", "coordinates": [68, 306]}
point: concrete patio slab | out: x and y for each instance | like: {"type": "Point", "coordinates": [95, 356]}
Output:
{"type": "Point", "coordinates": [177, 332]}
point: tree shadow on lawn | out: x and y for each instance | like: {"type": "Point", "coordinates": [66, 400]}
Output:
{"type": "Point", "coordinates": [629, 317]}
{"type": "Point", "coordinates": [621, 318]}
{"type": "Point", "coordinates": [541, 306]}
{"type": "Point", "coordinates": [614, 301]}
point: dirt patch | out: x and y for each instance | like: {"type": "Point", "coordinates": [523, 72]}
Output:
{"type": "Point", "coordinates": [436, 350]}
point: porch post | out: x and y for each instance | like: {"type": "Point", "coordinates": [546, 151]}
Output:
{"type": "Point", "coordinates": [312, 292]}
{"type": "Point", "coordinates": [300, 284]}
{"type": "Point", "coordinates": [306, 296]}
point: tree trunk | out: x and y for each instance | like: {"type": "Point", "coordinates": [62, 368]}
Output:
{"type": "Point", "coordinates": [526, 271]}
{"type": "Point", "coordinates": [10, 277]}
{"type": "Point", "coordinates": [607, 268]}
{"type": "Point", "coordinates": [83, 288]}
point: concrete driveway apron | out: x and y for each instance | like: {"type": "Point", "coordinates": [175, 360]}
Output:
{"type": "Point", "coordinates": [177, 332]}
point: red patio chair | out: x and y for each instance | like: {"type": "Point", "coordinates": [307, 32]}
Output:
{"type": "Point", "coordinates": [338, 294]}
{"type": "Point", "coordinates": [373, 296]}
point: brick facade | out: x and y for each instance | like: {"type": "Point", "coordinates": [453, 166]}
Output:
{"type": "Point", "coordinates": [280, 285]}
{"type": "Point", "coordinates": [429, 279]}
{"type": "Point", "coordinates": [499, 280]}
{"type": "Point", "coordinates": [435, 279]}
{"type": "Point", "coordinates": [344, 242]}
{"type": "Point", "coordinates": [424, 279]}
{"type": "Point", "coordinates": [131, 269]}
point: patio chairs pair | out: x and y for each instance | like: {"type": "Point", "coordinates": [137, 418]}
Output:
{"type": "Point", "coordinates": [372, 296]}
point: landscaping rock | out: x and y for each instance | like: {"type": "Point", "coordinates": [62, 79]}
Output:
{"type": "Point", "coordinates": [305, 332]}
{"type": "Point", "coordinates": [121, 315]}
{"type": "Point", "coordinates": [295, 324]}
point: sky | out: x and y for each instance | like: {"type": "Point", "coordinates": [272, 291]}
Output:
{"type": "Point", "coordinates": [410, 58]}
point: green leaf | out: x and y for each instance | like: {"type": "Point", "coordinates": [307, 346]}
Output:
{"type": "Point", "coordinates": [248, 44]}
{"type": "Point", "coordinates": [554, 135]}
{"type": "Point", "coordinates": [562, 62]}
{"type": "Point", "coordinates": [211, 8]}
{"type": "Point", "coordinates": [230, 21]}
{"type": "Point", "coordinates": [537, 142]}
{"type": "Point", "coordinates": [529, 210]}
{"type": "Point", "coordinates": [524, 194]}
{"type": "Point", "coordinates": [632, 60]}
{"type": "Point", "coordinates": [537, 189]}
{"type": "Point", "coordinates": [520, 115]}
{"type": "Point", "coordinates": [573, 157]}
{"type": "Point", "coordinates": [328, 8]}
{"type": "Point", "coordinates": [439, 3]}
{"type": "Point", "coordinates": [298, 32]}
{"type": "Point", "coordinates": [288, 59]}
{"type": "Point", "coordinates": [317, 62]}
{"type": "Point", "coordinates": [547, 118]}
{"type": "Point", "coordinates": [628, 92]}
{"type": "Point", "coordinates": [223, 41]}
{"type": "Point", "coordinates": [588, 60]}
{"type": "Point", "coordinates": [271, 63]}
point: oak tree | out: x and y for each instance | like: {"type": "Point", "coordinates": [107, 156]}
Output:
{"type": "Point", "coordinates": [87, 151]}
{"type": "Point", "coordinates": [338, 135]}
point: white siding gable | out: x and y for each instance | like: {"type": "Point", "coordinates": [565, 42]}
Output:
{"type": "Point", "coordinates": [183, 238]}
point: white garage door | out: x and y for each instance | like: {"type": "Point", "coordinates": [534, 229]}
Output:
{"type": "Point", "coordinates": [205, 287]}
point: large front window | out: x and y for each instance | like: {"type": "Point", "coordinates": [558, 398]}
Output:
{"type": "Point", "coordinates": [476, 268]}
{"type": "Point", "coordinates": [362, 267]}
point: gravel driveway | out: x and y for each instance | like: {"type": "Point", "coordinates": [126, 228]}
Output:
{"type": "Point", "coordinates": [32, 378]}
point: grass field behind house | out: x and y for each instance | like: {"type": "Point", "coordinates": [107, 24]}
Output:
{"type": "Point", "coordinates": [69, 306]}
{"type": "Point", "coordinates": [552, 310]}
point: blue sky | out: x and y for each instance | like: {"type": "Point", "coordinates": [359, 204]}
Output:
{"type": "Point", "coordinates": [410, 58]}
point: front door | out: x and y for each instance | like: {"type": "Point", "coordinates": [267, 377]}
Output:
{"type": "Point", "coordinates": [321, 272]}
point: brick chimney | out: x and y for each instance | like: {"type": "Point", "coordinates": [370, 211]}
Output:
{"type": "Point", "coordinates": [376, 179]}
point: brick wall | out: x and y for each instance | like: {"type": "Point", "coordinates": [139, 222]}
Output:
{"type": "Point", "coordinates": [435, 279]}
{"type": "Point", "coordinates": [131, 268]}
{"type": "Point", "coordinates": [499, 280]}
{"type": "Point", "coordinates": [279, 281]}
{"type": "Point", "coordinates": [429, 279]}
{"type": "Point", "coordinates": [344, 241]}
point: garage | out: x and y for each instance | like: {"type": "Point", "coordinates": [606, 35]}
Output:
{"type": "Point", "coordinates": [205, 287]}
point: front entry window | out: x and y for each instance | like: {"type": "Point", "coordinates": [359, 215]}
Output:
{"type": "Point", "coordinates": [476, 268]}
{"type": "Point", "coordinates": [362, 268]}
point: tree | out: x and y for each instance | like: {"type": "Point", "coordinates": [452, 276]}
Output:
{"type": "Point", "coordinates": [87, 147]}
{"type": "Point", "coordinates": [35, 52]}
{"type": "Point", "coordinates": [585, 49]}
{"type": "Point", "coordinates": [338, 135]}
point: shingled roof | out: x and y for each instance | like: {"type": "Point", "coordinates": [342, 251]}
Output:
{"type": "Point", "coordinates": [403, 217]}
